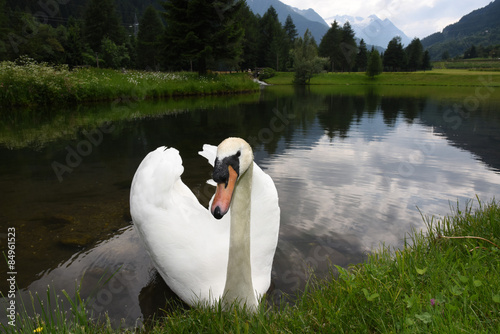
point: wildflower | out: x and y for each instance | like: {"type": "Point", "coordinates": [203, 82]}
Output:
{"type": "Point", "coordinates": [38, 330]}
{"type": "Point", "coordinates": [433, 302]}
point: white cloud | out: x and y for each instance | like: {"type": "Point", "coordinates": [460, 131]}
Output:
{"type": "Point", "coordinates": [415, 19]}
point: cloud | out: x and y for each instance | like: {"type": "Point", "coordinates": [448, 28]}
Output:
{"type": "Point", "coordinates": [415, 19]}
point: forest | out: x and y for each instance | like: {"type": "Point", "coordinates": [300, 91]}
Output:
{"type": "Point", "coordinates": [179, 35]}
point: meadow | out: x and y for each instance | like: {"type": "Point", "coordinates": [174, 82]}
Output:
{"type": "Point", "coordinates": [28, 83]}
{"type": "Point", "coordinates": [444, 280]}
{"type": "Point", "coordinates": [437, 77]}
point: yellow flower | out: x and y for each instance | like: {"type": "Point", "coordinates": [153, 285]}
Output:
{"type": "Point", "coordinates": [38, 330]}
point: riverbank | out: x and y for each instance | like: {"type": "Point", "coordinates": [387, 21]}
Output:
{"type": "Point", "coordinates": [27, 83]}
{"type": "Point", "coordinates": [444, 280]}
{"type": "Point", "coordinates": [438, 77]}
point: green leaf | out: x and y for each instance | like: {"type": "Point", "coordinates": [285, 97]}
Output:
{"type": "Point", "coordinates": [463, 279]}
{"type": "Point", "coordinates": [421, 271]}
{"type": "Point", "coordinates": [424, 317]}
{"type": "Point", "coordinates": [369, 297]}
{"type": "Point", "coordinates": [477, 283]}
{"type": "Point", "coordinates": [496, 298]}
{"type": "Point", "coordinates": [456, 290]}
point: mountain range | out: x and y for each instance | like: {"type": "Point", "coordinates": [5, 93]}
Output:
{"type": "Point", "coordinates": [372, 30]}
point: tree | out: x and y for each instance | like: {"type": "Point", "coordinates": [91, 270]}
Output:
{"type": "Point", "coordinates": [470, 53]}
{"type": "Point", "coordinates": [250, 24]}
{"type": "Point", "coordinates": [394, 56]}
{"type": "Point", "coordinates": [374, 66]}
{"type": "Point", "coordinates": [415, 55]}
{"type": "Point", "coordinates": [330, 45]}
{"type": "Point", "coordinates": [348, 47]}
{"type": "Point", "coordinates": [101, 21]}
{"type": "Point", "coordinates": [203, 33]}
{"type": "Point", "coordinates": [305, 59]}
{"type": "Point", "coordinates": [149, 39]}
{"type": "Point", "coordinates": [426, 62]}
{"type": "Point", "coordinates": [272, 39]}
{"type": "Point", "coordinates": [362, 56]}
{"type": "Point", "coordinates": [74, 45]}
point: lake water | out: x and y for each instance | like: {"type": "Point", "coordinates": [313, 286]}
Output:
{"type": "Point", "coordinates": [354, 167]}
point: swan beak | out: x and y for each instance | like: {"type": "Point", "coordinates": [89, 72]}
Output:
{"type": "Point", "coordinates": [223, 195]}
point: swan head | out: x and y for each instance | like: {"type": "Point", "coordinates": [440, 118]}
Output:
{"type": "Point", "coordinates": [234, 157]}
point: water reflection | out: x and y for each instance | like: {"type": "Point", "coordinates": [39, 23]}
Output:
{"type": "Point", "coordinates": [352, 167]}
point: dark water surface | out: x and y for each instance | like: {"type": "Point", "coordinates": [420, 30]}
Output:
{"type": "Point", "coordinates": [353, 167]}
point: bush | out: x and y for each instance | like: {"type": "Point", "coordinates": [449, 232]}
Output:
{"type": "Point", "coordinates": [266, 73]}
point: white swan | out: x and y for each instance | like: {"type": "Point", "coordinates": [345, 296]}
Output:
{"type": "Point", "coordinates": [200, 257]}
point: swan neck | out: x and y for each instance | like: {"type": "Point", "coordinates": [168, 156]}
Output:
{"type": "Point", "coordinates": [239, 287]}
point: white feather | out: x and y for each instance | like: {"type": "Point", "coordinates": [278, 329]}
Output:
{"type": "Point", "coordinates": [188, 246]}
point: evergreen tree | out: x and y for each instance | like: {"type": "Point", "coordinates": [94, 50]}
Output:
{"type": "Point", "coordinates": [426, 62]}
{"type": "Point", "coordinates": [149, 39]}
{"type": "Point", "coordinates": [362, 57]}
{"type": "Point", "coordinates": [394, 56]}
{"type": "Point", "coordinates": [348, 47]}
{"type": "Point", "coordinates": [4, 31]}
{"type": "Point", "coordinates": [271, 42]}
{"type": "Point", "coordinates": [290, 29]}
{"type": "Point", "coordinates": [74, 45]}
{"type": "Point", "coordinates": [374, 66]}
{"type": "Point", "coordinates": [329, 46]}
{"type": "Point", "coordinates": [250, 24]}
{"type": "Point", "coordinates": [102, 21]}
{"type": "Point", "coordinates": [470, 53]}
{"type": "Point", "coordinates": [291, 34]}
{"type": "Point", "coordinates": [203, 33]}
{"type": "Point", "coordinates": [415, 55]}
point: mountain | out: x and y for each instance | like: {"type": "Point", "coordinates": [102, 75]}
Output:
{"type": "Point", "coordinates": [479, 27]}
{"type": "Point", "coordinates": [303, 19]}
{"type": "Point", "coordinates": [372, 30]}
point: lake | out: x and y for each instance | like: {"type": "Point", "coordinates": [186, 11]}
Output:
{"type": "Point", "coordinates": [355, 168]}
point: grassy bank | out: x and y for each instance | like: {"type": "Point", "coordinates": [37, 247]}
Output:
{"type": "Point", "coordinates": [441, 77]}
{"type": "Point", "coordinates": [443, 281]}
{"type": "Point", "coordinates": [28, 83]}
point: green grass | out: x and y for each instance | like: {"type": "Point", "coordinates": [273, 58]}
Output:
{"type": "Point", "coordinates": [444, 280]}
{"type": "Point", "coordinates": [441, 77]}
{"type": "Point", "coordinates": [27, 83]}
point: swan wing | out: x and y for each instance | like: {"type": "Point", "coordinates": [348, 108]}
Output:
{"type": "Point", "coordinates": [187, 245]}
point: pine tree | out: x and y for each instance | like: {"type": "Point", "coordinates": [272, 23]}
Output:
{"type": "Point", "coordinates": [362, 56]}
{"type": "Point", "coordinates": [149, 39]}
{"type": "Point", "coordinates": [102, 21]}
{"type": "Point", "coordinates": [348, 47]}
{"type": "Point", "coordinates": [374, 66]}
{"type": "Point", "coordinates": [415, 54]}
{"type": "Point", "coordinates": [271, 42]}
{"type": "Point", "coordinates": [394, 56]}
{"type": "Point", "coordinates": [330, 46]}
{"type": "Point", "coordinates": [203, 33]}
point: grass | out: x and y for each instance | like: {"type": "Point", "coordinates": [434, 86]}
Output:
{"type": "Point", "coordinates": [28, 83]}
{"type": "Point", "coordinates": [444, 280]}
{"type": "Point", "coordinates": [440, 77]}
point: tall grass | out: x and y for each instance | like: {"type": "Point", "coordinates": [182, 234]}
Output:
{"type": "Point", "coordinates": [433, 285]}
{"type": "Point", "coordinates": [444, 280]}
{"type": "Point", "coordinates": [26, 82]}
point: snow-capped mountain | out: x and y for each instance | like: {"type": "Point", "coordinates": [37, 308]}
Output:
{"type": "Point", "coordinates": [372, 30]}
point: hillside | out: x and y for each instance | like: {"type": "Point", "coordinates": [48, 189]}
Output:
{"type": "Point", "coordinates": [312, 22]}
{"type": "Point", "coordinates": [480, 27]}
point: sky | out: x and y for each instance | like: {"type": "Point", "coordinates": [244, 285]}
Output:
{"type": "Point", "coordinates": [414, 18]}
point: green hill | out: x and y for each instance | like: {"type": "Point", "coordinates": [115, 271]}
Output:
{"type": "Point", "coordinates": [481, 27]}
